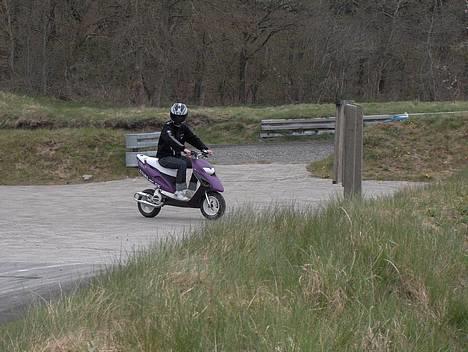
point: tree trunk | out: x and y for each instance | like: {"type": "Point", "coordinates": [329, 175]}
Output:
{"type": "Point", "coordinates": [199, 86]}
{"type": "Point", "coordinates": [156, 92]}
{"type": "Point", "coordinates": [48, 27]}
{"type": "Point", "coordinates": [243, 60]}
{"type": "Point", "coordinates": [253, 91]}
{"type": "Point", "coordinates": [11, 37]}
{"type": "Point", "coordinates": [45, 39]}
{"type": "Point", "coordinates": [199, 91]}
{"type": "Point", "coordinates": [432, 83]}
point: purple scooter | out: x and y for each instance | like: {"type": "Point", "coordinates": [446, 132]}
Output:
{"type": "Point", "coordinates": [207, 197]}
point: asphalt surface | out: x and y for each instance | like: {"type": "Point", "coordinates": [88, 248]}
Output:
{"type": "Point", "coordinates": [54, 238]}
{"type": "Point", "coordinates": [268, 152]}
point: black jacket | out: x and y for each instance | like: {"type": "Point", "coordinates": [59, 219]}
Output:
{"type": "Point", "coordinates": [173, 138]}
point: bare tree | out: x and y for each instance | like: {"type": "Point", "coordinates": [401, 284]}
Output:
{"type": "Point", "coordinates": [8, 40]}
{"type": "Point", "coordinates": [258, 22]}
{"type": "Point", "coordinates": [147, 52]}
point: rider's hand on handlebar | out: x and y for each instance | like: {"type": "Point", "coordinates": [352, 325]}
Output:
{"type": "Point", "coordinates": [208, 151]}
{"type": "Point", "coordinates": [187, 152]}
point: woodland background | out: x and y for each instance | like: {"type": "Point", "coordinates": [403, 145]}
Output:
{"type": "Point", "coordinates": [222, 52]}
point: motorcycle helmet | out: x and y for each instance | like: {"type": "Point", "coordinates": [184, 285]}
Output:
{"type": "Point", "coordinates": [178, 113]}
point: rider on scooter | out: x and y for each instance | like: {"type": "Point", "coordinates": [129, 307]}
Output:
{"type": "Point", "coordinates": [171, 145]}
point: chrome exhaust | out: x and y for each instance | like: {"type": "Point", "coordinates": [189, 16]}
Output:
{"type": "Point", "coordinates": [137, 195]}
{"type": "Point", "coordinates": [147, 203]}
{"type": "Point", "coordinates": [137, 199]}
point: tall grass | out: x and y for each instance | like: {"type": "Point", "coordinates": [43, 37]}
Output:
{"type": "Point", "coordinates": [376, 275]}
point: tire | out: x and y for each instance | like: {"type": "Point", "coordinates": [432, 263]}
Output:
{"type": "Point", "coordinates": [146, 210]}
{"type": "Point", "coordinates": [217, 207]}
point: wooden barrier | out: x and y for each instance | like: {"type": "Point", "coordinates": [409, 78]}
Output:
{"type": "Point", "coordinates": [136, 143]}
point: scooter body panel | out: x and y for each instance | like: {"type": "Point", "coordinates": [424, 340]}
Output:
{"type": "Point", "coordinates": [198, 168]}
{"type": "Point", "coordinates": [166, 182]}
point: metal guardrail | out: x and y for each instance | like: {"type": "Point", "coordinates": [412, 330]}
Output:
{"type": "Point", "coordinates": [136, 143]}
{"type": "Point", "coordinates": [313, 126]}
{"type": "Point", "coordinates": [148, 142]}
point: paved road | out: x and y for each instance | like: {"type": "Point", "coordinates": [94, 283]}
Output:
{"type": "Point", "coordinates": [53, 236]}
{"type": "Point", "coordinates": [266, 152]}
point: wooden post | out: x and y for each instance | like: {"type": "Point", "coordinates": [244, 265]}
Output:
{"type": "Point", "coordinates": [336, 160]}
{"type": "Point", "coordinates": [339, 141]}
{"type": "Point", "coordinates": [353, 144]}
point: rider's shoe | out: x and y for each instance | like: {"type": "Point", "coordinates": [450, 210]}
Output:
{"type": "Point", "coordinates": [189, 193]}
{"type": "Point", "coordinates": [181, 195]}
{"type": "Point", "coordinates": [192, 188]}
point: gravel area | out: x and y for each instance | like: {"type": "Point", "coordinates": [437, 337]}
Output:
{"type": "Point", "coordinates": [271, 152]}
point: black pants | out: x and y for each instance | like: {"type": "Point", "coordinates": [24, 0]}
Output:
{"type": "Point", "coordinates": [181, 164]}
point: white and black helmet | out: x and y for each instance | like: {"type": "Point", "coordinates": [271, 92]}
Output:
{"type": "Point", "coordinates": [179, 112]}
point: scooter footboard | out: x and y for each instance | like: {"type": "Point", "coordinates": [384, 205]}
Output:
{"type": "Point", "coordinates": [194, 202]}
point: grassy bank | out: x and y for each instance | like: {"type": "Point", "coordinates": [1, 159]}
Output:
{"type": "Point", "coordinates": [47, 141]}
{"type": "Point", "coordinates": [423, 148]}
{"type": "Point", "coordinates": [382, 275]}
{"type": "Point", "coordinates": [32, 112]}
{"type": "Point", "coordinates": [61, 156]}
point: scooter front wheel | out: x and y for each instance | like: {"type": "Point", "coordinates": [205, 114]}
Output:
{"type": "Point", "coordinates": [146, 210]}
{"type": "Point", "coordinates": [213, 206]}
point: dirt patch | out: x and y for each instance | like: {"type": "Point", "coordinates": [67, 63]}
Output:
{"type": "Point", "coordinates": [48, 149]}
{"type": "Point", "coordinates": [33, 123]}
{"type": "Point", "coordinates": [81, 341]}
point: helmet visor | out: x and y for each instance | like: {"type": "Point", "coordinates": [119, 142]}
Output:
{"type": "Point", "coordinates": [178, 118]}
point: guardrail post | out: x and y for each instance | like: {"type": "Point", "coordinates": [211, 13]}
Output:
{"type": "Point", "coordinates": [140, 143]}
{"type": "Point", "coordinates": [352, 150]}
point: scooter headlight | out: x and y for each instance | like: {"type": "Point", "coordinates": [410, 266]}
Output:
{"type": "Point", "coordinates": [209, 170]}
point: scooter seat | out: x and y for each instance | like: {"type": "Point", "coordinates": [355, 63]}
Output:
{"type": "Point", "coordinates": [153, 162]}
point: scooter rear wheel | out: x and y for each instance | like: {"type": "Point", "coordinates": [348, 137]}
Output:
{"type": "Point", "coordinates": [146, 210]}
{"type": "Point", "coordinates": [215, 208]}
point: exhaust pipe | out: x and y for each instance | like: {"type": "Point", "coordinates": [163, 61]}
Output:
{"type": "Point", "coordinates": [137, 199]}
{"type": "Point", "coordinates": [147, 203]}
{"type": "Point", "coordinates": [137, 195]}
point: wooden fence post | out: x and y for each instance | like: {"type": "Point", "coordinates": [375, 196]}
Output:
{"type": "Point", "coordinates": [339, 141]}
{"type": "Point", "coordinates": [337, 144]}
{"type": "Point", "coordinates": [352, 153]}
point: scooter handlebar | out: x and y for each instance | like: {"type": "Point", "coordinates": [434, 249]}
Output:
{"type": "Point", "coordinates": [198, 155]}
